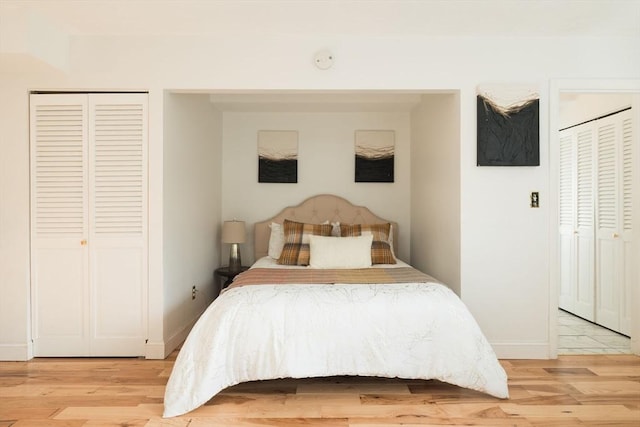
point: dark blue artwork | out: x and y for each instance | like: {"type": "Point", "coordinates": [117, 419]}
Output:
{"type": "Point", "coordinates": [275, 170]}
{"type": "Point", "coordinates": [508, 137]}
{"type": "Point", "coordinates": [278, 156]}
{"type": "Point", "coordinates": [375, 156]}
{"type": "Point", "coordinates": [374, 169]}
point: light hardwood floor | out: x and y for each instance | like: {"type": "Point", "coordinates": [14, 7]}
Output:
{"type": "Point", "coordinates": [601, 390]}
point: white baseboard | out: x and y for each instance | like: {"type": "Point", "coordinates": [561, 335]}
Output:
{"type": "Point", "coordinates": [161, 350]}
{"type": "Point", "coordinates": [15, 352]}
{"type": "Point", "coordinates": [521, 350]}
{"type": "Point", "coordinates": [154, 350]}
{"type": "Point", "coordinates": [178, 338]}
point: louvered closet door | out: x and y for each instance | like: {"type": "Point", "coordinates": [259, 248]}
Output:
{"type": "Point", "coordinates": [609, 289]}
{"type": "Point", "coordinates": [89, 224]}
{"type": "Point", "coordinates": [585, 230]}
{"type": "Point", "coordinates": [59, 225]}
{"type": "Point", "coordinates": [568, 290]}
{"type": "Point", "coordinates": [118, 223]}
{"type": "Point", "coordinates": [626, 230]}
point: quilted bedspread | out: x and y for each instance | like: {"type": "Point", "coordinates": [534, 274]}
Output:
{"type": "Point", "coordinates": [406, 330]}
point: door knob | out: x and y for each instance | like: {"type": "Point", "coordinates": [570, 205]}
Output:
{"type": "Point", "coordinates": [615, 235]}
{"type": "Point", "coordinates": [83, 242]}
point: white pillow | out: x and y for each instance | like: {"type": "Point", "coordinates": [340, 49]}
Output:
{"type": "Point", "coordinates": [340, 252]}
{"type": "Point", "coordinates": [276, 240]}
{"type": "Point", "coordinates": [391, 239]}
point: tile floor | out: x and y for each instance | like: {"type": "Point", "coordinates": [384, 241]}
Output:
{"type": "Point", "coordinates": [579, 336]}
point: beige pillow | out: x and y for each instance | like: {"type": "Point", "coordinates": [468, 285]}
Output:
{"type": "Point", "coordinates": [340, 252]}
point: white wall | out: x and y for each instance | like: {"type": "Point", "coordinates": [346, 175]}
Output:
{"type": "Point", "coordinates": [191, 199]}
{"type": "Point", "coordinates": [576, 108]}
{"type": "Point", "coordinates": [504, 244]}
{"type": "Point", "coordinates": [326, 164]}
{"type": "Point", "coordinates": [14, 222]}
{"type": "Point", "coordinates": [435, 188]}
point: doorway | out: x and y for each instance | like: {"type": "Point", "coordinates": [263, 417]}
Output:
{"type": "Point", "coordinates": [564, 91]}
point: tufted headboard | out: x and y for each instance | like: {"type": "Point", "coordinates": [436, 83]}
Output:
{"type": "Point", "coordinates": [317, 209]}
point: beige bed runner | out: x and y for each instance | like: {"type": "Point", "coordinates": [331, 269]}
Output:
{"type": "Point", "coordinates": [272, 276]}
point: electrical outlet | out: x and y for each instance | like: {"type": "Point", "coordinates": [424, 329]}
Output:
{"type": "Point", "coordinates": [193, 292]}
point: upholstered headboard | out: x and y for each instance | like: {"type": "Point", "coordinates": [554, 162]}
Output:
{"type": "Point", "coordinates": [317, 209]}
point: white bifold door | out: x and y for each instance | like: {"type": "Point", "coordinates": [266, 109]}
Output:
{"type": "Point", "coordinates": [89, 224]}
{"type": "Point", "coordinates": [614, 217]}
{"type": "Point", "coordinates": [577, 222]}
{"type": "Point", "coordinates": [596, 218]}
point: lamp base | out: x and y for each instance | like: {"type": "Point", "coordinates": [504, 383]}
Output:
{"type": "Point", "coordinates": [235, 262]}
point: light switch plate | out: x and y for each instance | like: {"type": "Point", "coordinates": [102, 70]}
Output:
{"type": "Point", "coordinates": [535, 199]}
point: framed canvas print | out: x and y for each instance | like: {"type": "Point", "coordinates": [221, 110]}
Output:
{"type": "Point", "coordinates": [278, 156]}
{"type": "Point", "coordinates": [374, 155]}
{"type": "Point", "coordinates": [508, 125]}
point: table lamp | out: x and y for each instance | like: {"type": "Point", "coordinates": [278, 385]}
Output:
{"type": "Point", "coordinates": [233, 232]}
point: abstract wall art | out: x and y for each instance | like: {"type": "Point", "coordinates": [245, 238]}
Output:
{"type": "Point", "coordinates": [278, 156]}
{"type": "Point", "coordinates": [508, 125]}
{"type": "Point", "coordinates": [374, 155]}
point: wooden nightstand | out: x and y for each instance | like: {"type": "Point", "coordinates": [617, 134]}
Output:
{"type": "Point", "coordinates": [224, 272]}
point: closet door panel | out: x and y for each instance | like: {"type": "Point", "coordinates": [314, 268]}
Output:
{"type": "Point", "coordinates": [61, 297]}
{"type": "Point", "coordinates": [585, 252]}
{"type": "Point", "coordinates": [567, 295]}
{"type": "Point", "coordinates": [626, 199]}
{"type": "Point", "coordinates": [628, 277]}
{"type": "Point", "coordinates": [118, 218]}
{"type": "Point", "coordinates": [608, 279]}
{"type": "Point", "coordinates": [568, 290]}
{"type": "Point", "coordinates": [585, 291]}
{"type": "Point", "coordinates": [607, 222]}
{"type": "Point", "coordinates": [118, 319]}
{"type": "Point", "coordinates": [59, 224]}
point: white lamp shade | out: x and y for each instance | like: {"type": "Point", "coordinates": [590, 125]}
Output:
{"type": "Point", "coordinates": [233, 232]}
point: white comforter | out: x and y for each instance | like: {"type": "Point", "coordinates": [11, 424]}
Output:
{"type": "Point", "coordinates": [417, 331]}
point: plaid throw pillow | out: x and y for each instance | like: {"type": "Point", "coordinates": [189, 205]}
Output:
{"type": "Point", "coordinates": [296, 241]}
{"type": "Point", "coordinates": [380, 248]}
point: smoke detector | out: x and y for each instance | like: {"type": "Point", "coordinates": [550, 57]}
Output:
{"type": "Point", "coordinates": [323, 59]}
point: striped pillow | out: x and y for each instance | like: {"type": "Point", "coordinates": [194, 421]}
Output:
{"type": "Point", "coordinates": [381, 252]}
{"type": "Point", "coordinates": [296, 241]}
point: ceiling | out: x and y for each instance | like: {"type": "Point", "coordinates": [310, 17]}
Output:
{"type": "Point", "coordinates": [319, 18]}
{"type": "Point", "coordinates": [336, 17]}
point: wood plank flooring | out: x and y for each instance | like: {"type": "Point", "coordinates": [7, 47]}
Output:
{"type": "Point", "coordinates": [600, 390]}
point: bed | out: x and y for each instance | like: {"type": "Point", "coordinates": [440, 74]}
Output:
{"type": "Point", "coordinates": [330, 313]}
